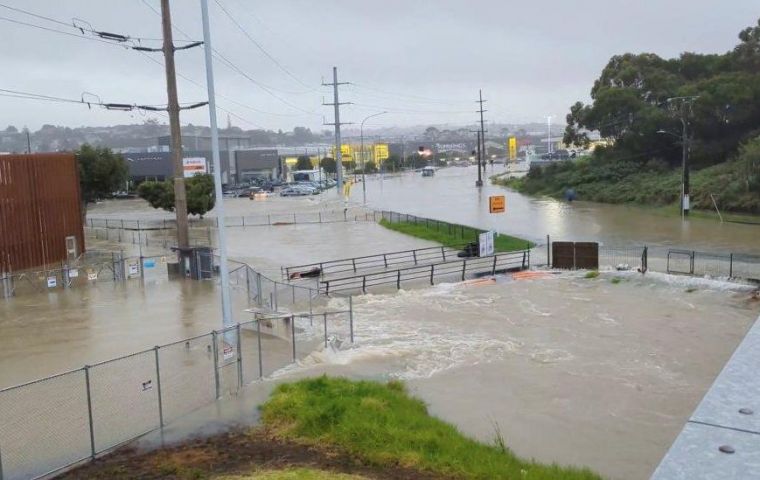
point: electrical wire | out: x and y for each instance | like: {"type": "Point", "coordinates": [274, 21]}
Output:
{"type": "Point", "coordinates": [32, 25]}
{"type": "Point", "coordinates": [262, 49]}
{"type": "Point", "coordinates": [416, 97]}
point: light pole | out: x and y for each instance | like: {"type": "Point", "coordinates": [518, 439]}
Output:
{"type": "Point", "coordinates": [364, 168]}
{"type": "Point", "coordinates": [683, 109]}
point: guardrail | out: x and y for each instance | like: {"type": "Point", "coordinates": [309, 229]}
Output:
{"type": "Point", "coordinates": [378, 261]}
{"type": "Point", "coordinates": [455, 270]}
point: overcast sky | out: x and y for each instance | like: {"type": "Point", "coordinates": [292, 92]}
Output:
{"type": "Point", "coordinates": [422, 61]}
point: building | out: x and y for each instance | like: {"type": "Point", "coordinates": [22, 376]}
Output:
{"type": "Point", "coordinates": [201, 143]}
{"type": "Point", "coordinates": [237, 165]}
{"type": "Point", "coordinates": [40, 211]}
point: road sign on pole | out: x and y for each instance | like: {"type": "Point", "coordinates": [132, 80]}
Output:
{"type": "Point", "coordinates": [497, 204]}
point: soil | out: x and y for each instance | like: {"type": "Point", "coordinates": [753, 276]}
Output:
{"type": "Point", "coordinates": [236, 452]}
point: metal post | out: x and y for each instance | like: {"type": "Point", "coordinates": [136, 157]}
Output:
{"type": "Point", "coordinates": [730, 265]}
{"type": "Point", "coordinates": [350, 318]}
{"type": "Point", "coordinates": [258, 341]}
{"type": "Point", "coordinates": [324, 315]}
{"type": "Point", "coordinates": [398, 279]}
{"type": "Point", "coordinates": [548, 251]}
{"type": "Point", "coordinates": [432, 268]}
{"type": "Point", "coordinates": [414, 254]}
{"type": "Point", "coordinates": [311, 310]}
{"type": "Point", "coordinates": [493, 270]}
{"type": "Point", "coordinates": [89, 410]}
{"type": "Point", "coordinates": [215, 351]}
{"type": "Point", "coordinates": [158, 387]}
{"type": "Point", "coordinates": [1, 463]}
{"type": "Point", "coordinates": [293, 287]}
{"type": "Point", "coordinates": [274, 304]}
{"type": "Point", "coordinates": [248, 285]}
{"type": "Point", "coordinates": [239, 358]}
{"type": "Point", "coordinates": [293, 334]}
{"type": "Point", "coordinates": [464, 268]}
{"type": "Point", "coordinates": [259, 293]}
{"type": "Point", "coordinates": [443, 253]}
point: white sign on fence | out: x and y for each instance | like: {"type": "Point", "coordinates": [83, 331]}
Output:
{"type": "Point", "coordinates": [228, 352]}
{"type": "Point", "coordinates": [73, 273]}
{"type": "Point", "coordinates": [485, 242]}
{"type": "Point", "coordinates": [92, 276]}
{"type": "Point", "coordinates": [52, 282]}
{"type": "Point", "coordinates": [134, 270]}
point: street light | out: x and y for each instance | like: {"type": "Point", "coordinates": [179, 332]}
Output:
{"type": "Point", "coordinates": [364, 168]}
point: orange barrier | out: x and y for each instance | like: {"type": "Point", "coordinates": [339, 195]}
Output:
{"type": "Point", "coordinates": [530, 275]}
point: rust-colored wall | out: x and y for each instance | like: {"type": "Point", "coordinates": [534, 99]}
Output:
{"type": "Point", "coordinates": [40, 206]}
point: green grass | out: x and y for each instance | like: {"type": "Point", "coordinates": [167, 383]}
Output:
{"type": "Point", "coordinates": [591, 274]}
{"type": "Point", "coordinates": [292, 474]}
{"type": "Point", "coordinates": [451, 234]}
{"type": "Point", "coordinates": [383, 426]}
{"type": "Point", "coordinates": [616, 280]}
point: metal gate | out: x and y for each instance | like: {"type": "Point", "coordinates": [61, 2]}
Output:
{"type": "Point", "coordinates": [575, 255]}
{"type": "Point", "coordinates": [681, 261]}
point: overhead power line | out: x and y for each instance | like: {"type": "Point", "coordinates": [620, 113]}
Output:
{"type": "Point", "coordinates": [108, 106]}
{"type": "Point", "coordinates": [261, 48]}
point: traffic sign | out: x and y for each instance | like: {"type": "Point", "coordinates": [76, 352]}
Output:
{"type": "Point", "coordinates": [497, 204]}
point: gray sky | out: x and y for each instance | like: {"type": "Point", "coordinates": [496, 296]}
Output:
{"type": "Point", "coordinates": [423, 61]}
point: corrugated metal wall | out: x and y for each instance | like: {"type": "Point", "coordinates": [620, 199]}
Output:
{"type": "Point", "coordinates": [40, 206]}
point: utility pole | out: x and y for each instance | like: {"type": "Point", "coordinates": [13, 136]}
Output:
{"type": "Point", "coordinates": [549, 135]}
{"type": "Point", "coordinates": [481, 139]}
{"type": "Point", "coordinates": [224, 274]}
{"type": "Point", "coordinates": [681, 107]}
{"type": "Point", "coordinates": [28, 142]}
{"type": "Point", "coordinates": [180, 195]}
{"type": "Point", "coordinates": [336, 103]}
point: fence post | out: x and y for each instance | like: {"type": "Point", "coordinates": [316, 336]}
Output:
{"type": "Point", "coordinates": [548, 251]}
{"type": "Point", "coordinates": [730, 266]}
{"type": "Point", "coordinates": [259, 293]}
{"type": "Point", "coordinates": [464, 268]}
{"type": "Point", "coordinates": [158, 386]}
{"type": "Point", "coordinates": [293, 334]}
{"type": "Point", "coordinates": [493, 270]}
{"type": "Point", "coordinates": [443, 252]}
{"type": "Point", "coordinates": [432, 270]}
{"type": "Point", "coordinates": [385, 261]}
{"type": "Point", "coordinates": [311, 309]}
{"type": "Point", "coordinates": [89, 410]}
{"type": "Point", "coordinates": [274, 301]}
{"type": "Point", "coordinates": [248, 285]}
{"type": "Point", "coordinates": [364, 284]}
{"type": "Point", "coordinates": [398, 280]}
{"type": "Point", "coordinates": [1, 463]}
{"type": "Point", "coordinates": [353, 262]}
{"type": "Point", "coordinates": [324, 316]}
{"type": "Point", "coordinates": [258, 341]}
{"type": "Point", "coordinates": [414, 254]}
{"type": "Point", "coordinates": [294, 293]}
{"type": "Point", "coordinates": [350, 317]}
{"type": "Point", "coordinates": [692, 262]}
{"type": "Point", "coordinates": [239, 358]}
{"type": "Point", "coordinates": [215, 352]}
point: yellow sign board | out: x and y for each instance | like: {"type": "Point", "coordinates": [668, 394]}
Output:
{"type": "Point", "coordinates": [497, 204]}
{"type": "Point", "coordinates": [291, 161]}
{"type": "Point", "coordinates": [512, 145]}
{"type": "Point", "coordinates": [381, 152]}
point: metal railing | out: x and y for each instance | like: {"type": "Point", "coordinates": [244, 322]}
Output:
{"type": "Point", "coordinates": [379, 261]}
{"type": "Point", "coordinates": [456, 270]}
{"type": "Point", "coordinates": [62, 420]}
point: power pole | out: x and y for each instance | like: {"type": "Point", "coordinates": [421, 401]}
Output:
{"type": "Point", "coordinates": [481, 139]}
{"type": "Point", "coordinates": [549, 135]}
{"type": "Point", "coordinates": [336, 103]}
{"type": "Point", "coordinates": [479, 183]}
{"type": "Point", "coordinates": [180, 196]}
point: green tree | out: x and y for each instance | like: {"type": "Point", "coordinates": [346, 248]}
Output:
{"type": "Point", "coordinates": [101, 173]}
{"type": "Point", "coordinates": [328, 164]}
{"type": "Point", "coordinates": [392, 163]}
{"type": "Point", "coordinates": [303, 163]}
{"type": "Point", "coordinates": [199, 188]}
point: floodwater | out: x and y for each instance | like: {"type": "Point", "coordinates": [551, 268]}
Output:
{"type": "Point", "coordinates": [451, 195]}
{"type": "Point", "coordinates": [572, 370]}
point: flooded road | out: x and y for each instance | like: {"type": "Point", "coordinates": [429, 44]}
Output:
{"type": "Point", "coordinates": [573, 370]}
{"type": "Point", "coordinates": [451, 195]}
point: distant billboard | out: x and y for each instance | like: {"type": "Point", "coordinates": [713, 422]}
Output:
{"type": "Point", "coordinates": [381, 152]}
{"type": "Point", "coordinates": [512, 147]}
{"type": "Point", "coordinates": [194, 165]}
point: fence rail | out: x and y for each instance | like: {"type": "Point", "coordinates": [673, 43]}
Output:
{"type": "Point", "coordinates": [380, 261]}
{"type": "Point", "coordinates": [454, 270]}
{"type": "Point", "coordinates": [59, 421]}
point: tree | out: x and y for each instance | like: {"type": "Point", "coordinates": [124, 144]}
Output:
{"type": "Point", "coordinates": [199, 188]}
{"type": "Point", "coordinates": [101, 173]}
{"type": "Point", "coordinates": [328, 164]}
{"type": "Point", "coordinates": [11, 129]}
{"type": "Point", "coordinates": [370, 167]}
{"type": "Point", "coordinates": [392, 163]}
{"type": "Point", "coordinates": [303, 162]}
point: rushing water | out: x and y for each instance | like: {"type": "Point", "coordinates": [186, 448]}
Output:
{"type": "Point", "coordinates": [451, 195]}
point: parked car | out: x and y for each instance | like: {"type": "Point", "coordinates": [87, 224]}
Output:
{"type": "Point", "coordinates": [294, 192]}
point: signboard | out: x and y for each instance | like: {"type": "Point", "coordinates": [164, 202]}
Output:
{"type": "Point", "coordinates": [512, 147]}
{"type": "Point", "coordinates": [381, 152]}
{"type": "Point", "coordinates": [485, 242]}
{"type": "Point", "coordinates": [228, 352]}
{"type": "Point", "coordinates": [163, 260]}
{"type": "Point", "coordinates": [194, 165]}
{"type": "Point", "coordinates": [149, 263]}
{"type": "Point", "coordinates": [92, 275]}
{"type": "Point", "coordinates": [73, 273]}
{"type": "Point", "coordinates": [52, 282]}
{"type": "Point", "coordinates": [133, 270]}
{"type": "Point", "coordinates": [497, 204]}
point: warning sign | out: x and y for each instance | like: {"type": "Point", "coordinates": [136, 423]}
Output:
{"type": "Point", "coordinates": [92, 275]}
{"type": "Point", "coordinates": [73, 273]}
{"type": "Point", "coordinates": [497, 204]}
{"type": "Point", "coordinates": [52, 282]}
{"type": "Point", "coordinates": [228, 352]}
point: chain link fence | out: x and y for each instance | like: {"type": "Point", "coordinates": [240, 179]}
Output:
{"type": "Point", "coordinates": [59, 421]}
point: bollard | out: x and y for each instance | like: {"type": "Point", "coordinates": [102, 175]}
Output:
{"type": "Point", "coordinates": [158, 389]}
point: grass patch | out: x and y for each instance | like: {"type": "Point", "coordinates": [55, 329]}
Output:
{"type": "Point", "coordinates": [450, 234]}
{"type": "Point", "coordinates": [591, 274]}
{"type": "Point", "coordinates": [292, 474]}
{"type": "Point", "coordinates": [382, 426]}
{"type": "Point", "coordinates": [691, 290]}
{"type": "Point", "coordinates": [616, 280]}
